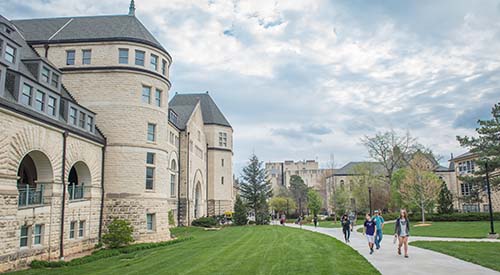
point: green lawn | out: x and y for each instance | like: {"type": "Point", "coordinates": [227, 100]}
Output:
{"type": "Point", "coordinates": [481, 253]}
{"type": "Point", "coordinates": [447, 229]}
{"type": "Point", "coordinates": [233, 250]}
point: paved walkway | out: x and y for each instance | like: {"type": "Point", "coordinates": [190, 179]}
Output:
{"type": "Point", "coordinates": [421, 261]}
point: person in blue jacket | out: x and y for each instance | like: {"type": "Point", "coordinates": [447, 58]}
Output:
{"type": "Point", "coordinates": [369, 230]}
{"type": "Point", "coordinates": [379, 223]}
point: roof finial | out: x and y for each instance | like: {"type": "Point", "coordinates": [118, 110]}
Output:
{"type": "Point", "coordinates": [131, 9]}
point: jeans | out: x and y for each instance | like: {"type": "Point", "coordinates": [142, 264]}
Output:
{"type": "Point", "coordinates": [378, 238]}
{"type": "Point", "coordinates": [347, 233]}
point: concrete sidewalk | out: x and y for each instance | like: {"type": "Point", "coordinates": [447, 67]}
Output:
{"type": "Point", "coordinates": [420, 261]}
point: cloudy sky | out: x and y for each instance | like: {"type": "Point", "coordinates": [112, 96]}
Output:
{"type": "Point", "coordinates": [306, 79]}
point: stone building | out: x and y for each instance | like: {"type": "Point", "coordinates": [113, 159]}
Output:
{"type": "Point", "coordinates": [465, 165]}
{"type": "Point", "coordinates": [87, 135]}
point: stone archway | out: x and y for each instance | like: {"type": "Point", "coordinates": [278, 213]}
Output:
{"type": "Point", "coordinates": [35, 169]}
{"type": "Point", "coordinates": [79, 177]}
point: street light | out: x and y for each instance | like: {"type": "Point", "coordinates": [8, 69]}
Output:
{"type": "Point", "coordinates": [370, 198]}
{"type": "Point", "coordinates": [492, 227]}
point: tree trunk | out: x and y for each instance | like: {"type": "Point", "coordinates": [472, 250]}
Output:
{"type": "Point", "coordinates": [423, 212]}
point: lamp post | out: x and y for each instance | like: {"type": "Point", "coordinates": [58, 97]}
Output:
{"type": "Point", "coordinates": [492, 227]}
{"type": "Point", "coordinates": [370, 198]}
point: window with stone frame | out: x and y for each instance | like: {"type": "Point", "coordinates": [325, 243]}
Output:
{"type": "Point", "coordinates": [222, 180]}
{"type": "Point", "coordinates": [86, 57]}
{"type": "Point", "coordinates": [51, 105]}
{"type": "Point", "coordinates": [150, 177]}
{"type": "Point", "coordinates": [70, 57]}
{"type": "Point", "coordinates": [465, 189]}
{"type": "Point", "coordinates": [151, 132]}
{"type": "Point", "coordinates": [158, 93]}
{"type": "Point", "coordinates": [27, 95]}
{"type": "Point", "coordinates": [37, 234]}
{"type": "Point", "coordinates": [82, 120]}
{"type": "Point", "coordinates": [150, 222]}
{"type": "Point", "coordinates": [222, 162]}
{"type": "Point", "coordinates": [146, 94]}
{"type": "Point", "coordinates": [173, 180]}
{"type": "Point", "coordinates": [163, 67]}
{"type": "Point", "coordinates": [72, 227]}
{"type": "Point", "coordinates": [90, 124]}
{"type": "Point", "coordinates": [139, 57]}
{"type": "Point", "coordinates": [123, 56]}
{"type": "Point", "coordinates": [222, 139]}
{"type": "Point", "coordinates": [154, 62]}
{"type": "Point", "coordinates": [23, 237]}
{"type": "Point", "coordinates": [40, 101]}
{"type": "Point", "coordinates": [81, 229]}
{"type": "Point", "coordinates": [150, 158]}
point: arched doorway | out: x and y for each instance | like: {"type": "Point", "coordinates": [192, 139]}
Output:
{"type": "Point", "coordinates": [197, 201]}
{"type": "Point", "coordinates": [78, 178]}
{"type": "Point", "coordinates": [34, 170]}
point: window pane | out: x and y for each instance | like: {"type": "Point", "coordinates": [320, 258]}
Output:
{"type": "Point", "coordinates": [86, 56]}
{"type": "Point", "coordinates": [139, 58]}
{"type": "Point", "coordinates": [82, 120]}
{"type": "Point", "coordinates": [123, 56]}
{"type": "Point", "coordinates": [45, 74]}
{"type": "Point", "coordinates": [70, 57]}
{"type": "Point", "coordinates": [27, 95]}
{"type": "Point", "coordinates": [90, 124]}
{"type": "Point", "coordinates": [154, 62]}
{"type": "Point", "coordinates": [149, 177]}
{"type": "Point", "coordinates": [146, 94]}
{"type": "Point", "coordinates": [150, 158]}
{"type": "Point", "coordinates": [158, 98]}
{"type": "Point", "coordinates": [81, 228]}
{"type": "Point", "coordinates": [72, 115]}
{"type": "Point", "coordinates": [149, 221]}
{"type": "Point", "coordinates": [40, 101]}
{"type": "Point", "coordinates": [55, 80]}
{"type": "Point", "coordinates": [172, 185]}
{"type": "Point", "coordinates": [151, 132]}
{"type": "Point", "coordinates": [164, 67]}
{"type": "Point", "coordinates": [10, 53]}
{"type": "Point", "coordinates": [37, 234]}
{"type": "Point", "coordinates": [72, 230]}
{"type": "Point", "coordinates": [24, 236]}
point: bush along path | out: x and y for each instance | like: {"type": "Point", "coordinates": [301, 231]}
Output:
{"type": "Point", "coordinates": [421, 261]}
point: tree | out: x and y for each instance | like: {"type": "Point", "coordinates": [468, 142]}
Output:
{"type": "Point", "coordinates": [445, 200]}
{"type": "Point", "coordinates": [314, 201]}
{"type": "Point", "coordinates": [391, 150]}
{"type": "Point", "coordinates": [282, 204]}
{"type": "Point", "coordinates": [368, 175]}
{"type": "Point", "coordinates": [262, 214]}
{"type": "Point", "coordinates": [487, 148]}
{"type": "Point", "coordinates": [119, 234]}
{"type": "Point", "coordinates": [255, 189]}
{"type": "Point", "coordinates": [340, 200]}
{"type": "Point", "coordinates": [420, 186]}
{"type": "Point", "coordinates": [240, 212]}
{"type": "Point", "coordinates": [299, 191]}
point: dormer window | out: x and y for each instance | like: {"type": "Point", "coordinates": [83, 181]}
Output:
{"type": "Point", "coordinates": [51, 106]}
{"type": "Point", "coordinates": [90, 124]}
{"type": "Point", "coordinates": [45, 74]}
{"type": "Point", "coordinates": [40, 101]}
{"type": "Point", "coordinates": [82, 120]}
{"type": "Point", "coordinates": [72, 115]}
{"type": "Point", "coordinates": [10, 53]}
{"type": "Point", "coordinates": [27, 95]}
{"type": "Point", "coordinates": [55, 80]}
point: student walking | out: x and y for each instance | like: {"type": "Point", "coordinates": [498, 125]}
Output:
{"type": "Point", "coordinates": [352, 219]}
{"type": "Point", "coordinates": [315, 220]}
{"type": "Point", "coordinates": [402, 231]}
{"type": "Point", "coordinates": [369, 230]}
{"type": "Point", "coordinates": [379, 223]}
{"type": "Point", "coordinates": [346, 227]}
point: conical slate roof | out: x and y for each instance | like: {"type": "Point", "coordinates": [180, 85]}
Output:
{"type": "Point", "coordinates": [86, 29]}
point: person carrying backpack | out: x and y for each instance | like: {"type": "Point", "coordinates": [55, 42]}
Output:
{"type": "Point", "coordinates": [346, 227]}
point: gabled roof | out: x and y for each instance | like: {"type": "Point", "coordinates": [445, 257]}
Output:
{"type": "Point", "coordinates": [184, 104]}
{"type": "Point", "coordinates": [86, 29]}
{"type": "Point", "coordinates": [348, 169]}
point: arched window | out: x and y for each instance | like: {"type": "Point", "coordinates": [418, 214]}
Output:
{"type": "Point", "coordinates": [34, 170]}
{"type": "Point", "coordinates": [197, 201]}
{"type": "Point", "coordinates": [173, 165]}
{"type": "Point", "coordinates": [78, 178]}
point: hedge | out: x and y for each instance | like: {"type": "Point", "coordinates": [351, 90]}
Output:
{"type": "Point", "coordinates": [105, 253]}
{"type": "Point", "coordinates": [205, 222]}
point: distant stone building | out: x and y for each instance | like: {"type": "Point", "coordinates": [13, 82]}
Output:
{"type": "Point", "coordinates": [87, 135]}
{"type": "Point", "coordinates": [465, 165]}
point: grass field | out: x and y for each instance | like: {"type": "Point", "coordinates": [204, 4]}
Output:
{"type": "Point", "coordinates": [481, 253]}
{"type": "Point", "coordinates": [233, 250]}
{"type": "Point", "coordinates": [447, 229]}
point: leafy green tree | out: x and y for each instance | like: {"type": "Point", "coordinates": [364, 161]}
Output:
{"type": "Point", "coordinates": [282, 204]}
{"type": "Point", "coordinates": [340, 200]}
{"type": "Point", "coordinates": [487, 148]}
{"type": "Point", "coordinates": [255, 189]}
{"type": "Point", "coordinates": [299, 191]}
{"type": "Point", "coordinates": [119, 234]}
{"type": "Point", "coordinates": [395, 201]}
{"type": "Point", "coordinates": [445, 200]}
{"type": "Point", "coordinates": [367, 175]}
{"type": "Point", "coordinates": [240, 216]}
{"type": "Point", "coordinates": [314, 201]}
